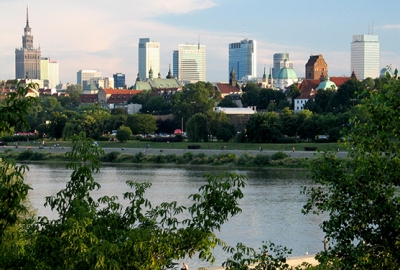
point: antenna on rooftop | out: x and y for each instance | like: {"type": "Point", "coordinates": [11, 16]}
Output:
{"type": "Point", "coordinates": [198, 46]}
{"type": "Point", "coordinates": [244, 31]}
{"type": "Point", "coordinates": [372, 31]}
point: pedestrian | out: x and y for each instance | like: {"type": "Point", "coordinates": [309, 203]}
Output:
{"type": "Point", "coordinates": [293, 149]}
{"type": "Point", "coordinates": [325, 243]}
{"type": "Point", "coordinates": [185, 267]}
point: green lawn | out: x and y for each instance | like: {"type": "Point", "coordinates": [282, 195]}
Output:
{"type": "Point", "coordinates": [204, 145]}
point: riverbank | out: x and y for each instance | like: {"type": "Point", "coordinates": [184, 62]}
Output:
{"type": "Point", "coordinates": [185, 157]}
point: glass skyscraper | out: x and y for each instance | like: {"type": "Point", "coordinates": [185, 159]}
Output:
{"type": "Point", "coordinates": [242, 58]}
{"type": "Point", "coordinates": [119, 80]}
{"type": "Point", "coordinates": [189, 63]}
{"type": "Point", "coordinates": [149, 57]}
{"type": "Point", "coordinates": [365, 56]}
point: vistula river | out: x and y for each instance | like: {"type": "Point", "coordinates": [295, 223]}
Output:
{"type": "Point", "coordinates": [271, 207]}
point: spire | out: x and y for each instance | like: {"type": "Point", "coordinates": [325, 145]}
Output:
{"type": "Point", "coordinates": [138, 77]}
{"type": "Point", "coordinates": [151, 73]}
{"type": "Point", "coordinates": [264, 75]}
{"type": "Point", "coordinates": [169, 76]}
{"type": "Point", "coordinates": [232, 78]}
{"type": "Point", "coordinates": [27, 16]}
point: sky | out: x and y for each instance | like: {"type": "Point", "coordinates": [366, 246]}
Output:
{"type": "Point", "coordinates": [104, 34]}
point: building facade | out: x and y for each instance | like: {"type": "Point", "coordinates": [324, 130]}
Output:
{"type": "Point", "coordinates": [365, 53]}
{"type": "Point", "coordinates": [189, 63]}
{"type": "Point", "coordinates": [148, 58]}
{"type": "Point", "coordinates": [84, 75]}
{"type": "Point", "coordinates": [49, 72]}
{"type": "Point", "coordinates": [243, 58]}
{"type": "Point", "coordinates": [119, 80]}
{"type": "Point", "coordinates": [316, 68]}
{"type": "Point", "coordinates": [27, 58]}
{"type": "Point", "coordinates": [279, 62]}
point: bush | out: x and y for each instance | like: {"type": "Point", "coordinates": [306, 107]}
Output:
{"type": "Point", "coordinates": [25, 155]}
{"type": "Point", "coordinates": [200, 158]}
{"type": "Point", "coordinates": [124, 157]}
{"type": "Point", "coordinates": [188, 157]}
{"type": "Point", "coordinates": [110, 157]}
{"type": "Point", "coordinates": [279, 155]}
{"type": "Point", "coordinates": [137, 158]}
{"type": "Point", "coordinates": [261, 160]}
{"type": "Point", "coordinates": [38, 156]}
{"type": "Point", "coordinates": [240, 137]}
{"type": "Point", "coordinates": [244, 159]}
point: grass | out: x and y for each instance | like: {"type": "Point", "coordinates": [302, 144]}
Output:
{"type": "Point", "coordinates": [203, 145]}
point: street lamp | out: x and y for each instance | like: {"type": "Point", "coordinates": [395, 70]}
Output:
{"type": "Point", "coordinates": [193, 103]}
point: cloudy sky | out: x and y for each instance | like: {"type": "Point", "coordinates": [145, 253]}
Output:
{"type": "Point", "coordinates": [104, 34]}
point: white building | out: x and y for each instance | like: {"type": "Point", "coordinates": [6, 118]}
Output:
{"type": "Point", "coordinates": [49, 72]}
{"type": "Point", "coordinates": [243, 58]}
{"type": "Point", "coordinates": [148, 58]}
{"type": "Point", "coordinates": [285, 77]}
{"type": "Point", "coordinates": [84, 76]}
{"type": "Point", "coordinates": [190, 63]}
{"type": "Point", "coordinates": [103, 82]}
{"type": "Point", "coordinates": [365, 56]}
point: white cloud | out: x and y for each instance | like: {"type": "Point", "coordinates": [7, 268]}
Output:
{"type": "Point", "coordinates": [391, 26]}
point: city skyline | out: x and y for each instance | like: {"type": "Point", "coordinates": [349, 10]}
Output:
{"type": "Point", "coordinates": [78, 39]}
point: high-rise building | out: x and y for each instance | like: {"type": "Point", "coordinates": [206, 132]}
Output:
{"type": "Point", "coordinates": [365, 56]}
{"type": "Point", "coordinates": [149, 57]}
{"type": "Point", "coordinates": [119, 81]}
{"type": "Point", "coordinates": [27, 58]}
{"type": "Point", "coordinates": [49, 72]}
{"type": "Point", "coordinates": [243, 58]}
{"type": "Point", "coordinates": [189, 63]}
{"type": "Point", "coordinates": [84, 76]}
{"type": "Point", "coordinates": [279, 62]}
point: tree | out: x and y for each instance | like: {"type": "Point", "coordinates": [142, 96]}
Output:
{"type": "Point", "coordinates": [74, 92]}
{"type": "Point", "coordinates": [224, 134]}
{"type": "Point", "coordinates": [57, 124]}
{"type": "Point", "coordinates": [227, 102]}
{"type": "Point", "coordinates": [264, 127]}
{"type": "Point", "coordinates": [360, 193]}
{"type": "Point", "coordinates": [251, 93]}
{"type": "Point", "coordinates": [197, 128]}
{"type": "Point", "coordinates": [141, 123]}
{"type": "Point", "coordinates": [123, 133]}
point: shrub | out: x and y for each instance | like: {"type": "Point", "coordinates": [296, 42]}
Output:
{"type": "Point", "coordinates": [279, 155]}
{"type": "Point", "coordinates": [261, 160]}
{"type": "Point", "coordinates": [38, 156]}
{"type": "Point", "coordinates": [124, 157]}
{"type": "Point", "coordinates": [200, 158]}
{"type": "Point", "coordinates": [110, 157]}
{"type": "Point", "coordinates": [244, 159]}
{"type": "Point", "coordinates": [137, 158]}
{"type": "Point", "coordinates": [25, 155]}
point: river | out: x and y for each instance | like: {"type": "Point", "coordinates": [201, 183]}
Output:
{"type": "Point", "coordinates": [271, 205]}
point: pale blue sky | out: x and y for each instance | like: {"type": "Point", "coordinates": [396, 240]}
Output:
{"type": "Point", "coordinates": [103, 34]}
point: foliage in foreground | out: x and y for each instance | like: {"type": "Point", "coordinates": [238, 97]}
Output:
{"type": "Point", "coordinates": [361, 194]}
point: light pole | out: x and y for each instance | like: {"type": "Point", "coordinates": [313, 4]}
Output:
{"type": "Point", "coordinates": [193, 103]}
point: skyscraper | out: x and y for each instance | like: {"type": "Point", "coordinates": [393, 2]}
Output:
{"type": "Point", "coordinates": [149, 57]}
{"type": "Point", "coordinates": [190, 62]}
{"type": "Point", "coordinates": [119, 80]}
{"type": "Point", "coordinates": [49, 72]}
{"type": "Point", "coordinates": [27, 58]}
{"type": "Point", "coordinates": [279, 62]}
{"type": "Point", "coordinates": [243, 58]}
{"type": "Point", "coordinates": [365, 56]}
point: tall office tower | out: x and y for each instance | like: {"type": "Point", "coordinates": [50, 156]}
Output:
{"type": "Point", "coordinates": [190, 63]}
{"type": "Point", "coordinates": [149, 57]}
{"type": "Point", "coordinates": [84, 76]}
{"type": "Point", "coordinates": [365, 56]}
{"type": "Point", "coordinates": [27, 58]}
{"type": "Point", "coordinates": [119, 80]}
{"type": "Point", "coordinates": [243, 58]}
{"type": "Point", "coordinates": [49, 72]}
{"type": "Point", "coordinates": [279, 62]}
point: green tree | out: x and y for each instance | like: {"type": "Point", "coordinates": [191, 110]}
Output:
{"type": "Point", "coordinates": [289, 121]}
{"type": "Point", "coordinates": [57, 124]}
{"type": "Point", "coordinates": [74, 92]}
{"type": "Point", "coordinates": [197, 128]}
{"type": "Point", "coordinates": [264, 127]}
{"type": "Point", "coordinates": [123, 133]}
{"type": "Point", "coordinates": [250, 96]}
{"type": "Point", "coordinates": [224, 134]}
{"type": "Point", "coordinates": [141, 123]}
{"type": "Point", "coordinates": [360, 193]}
{"type": "Point", "coordinates": [227, 102]}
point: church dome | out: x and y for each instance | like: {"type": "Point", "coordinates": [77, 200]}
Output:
{"type": "Point", "coordinates": [326, 84]}
{"type": "Point", "coordinates": [286, 73]}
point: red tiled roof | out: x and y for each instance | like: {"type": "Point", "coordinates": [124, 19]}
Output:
{"type": "Point", "coordinates": [120, 98]}
{"type": "Point", "coordinates": [226, 88]}
{"type": "Point", "coordinates": [88, 98]}
{"type": "Point", "coordinates": [306, 86]}
{"type": "Point", "coordinates": [312, 60]}
{"type": "Point", "coordinates": [121, 91]}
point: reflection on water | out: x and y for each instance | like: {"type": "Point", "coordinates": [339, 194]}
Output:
{"type": "Point", "coordinates": [271, 207]}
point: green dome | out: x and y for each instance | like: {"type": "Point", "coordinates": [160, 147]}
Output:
{"type": "Point", "coordinates": [286, 73]}
{"type": "Point", "coordinates": [327, 84]}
